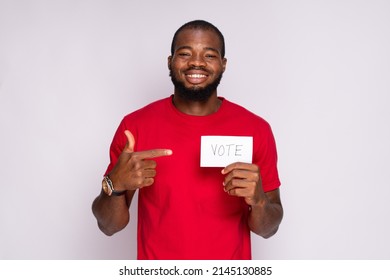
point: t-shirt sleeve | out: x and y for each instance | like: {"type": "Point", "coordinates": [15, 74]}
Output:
{"type": "Point", "coordinates": [117, 145]}
{"type": "Point", "coordinates": [266, 158]}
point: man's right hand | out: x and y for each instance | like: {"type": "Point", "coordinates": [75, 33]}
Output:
{"type": "Point", "coordinates": [135, 170]}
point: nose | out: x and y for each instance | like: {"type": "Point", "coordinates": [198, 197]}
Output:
{"type": "Point", "coordinates": [197, 60]}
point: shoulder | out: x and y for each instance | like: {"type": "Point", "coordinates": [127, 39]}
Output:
{"type": "Point", "coordinates": [244, 115]}
{"type": "Point", "coordinates": [148, 111]}
{"type": "Point", "coordinates": [151, 107]}
{"type": "Point", "coordinates": [136, 120]}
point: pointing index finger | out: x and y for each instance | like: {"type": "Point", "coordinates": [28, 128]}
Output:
{"type": "Point", "coordinates": [153, 153]}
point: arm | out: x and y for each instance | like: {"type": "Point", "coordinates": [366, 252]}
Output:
{"type": "Point", "coordinates": [266, 216]}
{"type": "Point", "coordinates": [112, 212]}
{"type": "Point", "coordinates": [133, 170]}
{"type": "Point", "coordinates": [266, 211]}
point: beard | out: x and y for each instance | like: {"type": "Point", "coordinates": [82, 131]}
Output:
{"type": "Point", "coordinates": [194, 93]}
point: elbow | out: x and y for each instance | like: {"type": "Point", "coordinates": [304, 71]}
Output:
{"type": "Point", "coordinates": [108, 231]}
{"type": "Point", "coordinates": [111, 229]}
{"type": "Point", "coordinates": [109, 224]}
{"type": "Point", "coordinates": [269, 234]}
{"type": "Point", "coordinates": [270, 228]}
{"type": "Point", "coordinates": [265, 232]}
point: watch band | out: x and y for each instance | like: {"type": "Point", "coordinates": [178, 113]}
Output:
{"type": "Point", "coordinates": [111, 186]}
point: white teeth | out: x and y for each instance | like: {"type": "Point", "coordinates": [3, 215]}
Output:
{"type": "Point", "coordinates": [196, 76]}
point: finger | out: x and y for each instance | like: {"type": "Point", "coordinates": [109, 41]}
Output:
{"type": "Point", "coordinates": [240, 184]}
{"type": "Point", "coordinates": [241, 174]}
{"type": "Point", "coordinates": [148, 182]}
{"type": "Point", "coordinates": [240, 165]}
{"type": "Point", "coordinates": [130, 142]}
{"type": "Point", "coordinates": [149, 173]}
{"type": "Point", "coordinates": [153, 153]}
{"type": "Point", "coordinates": [140, 164]}
{"type": "Point", "coordinates": [250, 197]}
{"type": "Point", "coordinates": [144, 178]}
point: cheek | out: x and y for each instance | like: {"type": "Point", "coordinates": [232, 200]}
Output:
{"type": "Point", "coordinates": [174, 67]}
{"type": "Point", "coordinates": [178, 72]}
{"type": "Point", "coordinates": [174, 71]}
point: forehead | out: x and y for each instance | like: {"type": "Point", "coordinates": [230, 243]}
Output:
{"type": "Point", "coordinates": [198, 37]}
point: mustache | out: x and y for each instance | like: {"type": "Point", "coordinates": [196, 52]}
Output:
{"type": "Point", "coordinates": [196, 68]}
{"type": "Point", "coordinates": [202, 68]}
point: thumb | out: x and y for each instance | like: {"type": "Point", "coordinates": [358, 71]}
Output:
{"type": "Point", "coordinates": [129, 148]}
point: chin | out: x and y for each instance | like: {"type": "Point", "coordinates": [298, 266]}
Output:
{"type": "Point", "coordinates": [201, 95]}
{"type": "Point", "coordinates": [197, 93]}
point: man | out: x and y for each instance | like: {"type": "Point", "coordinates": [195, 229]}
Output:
{"type": "Point", "coordinates": [186, 211]}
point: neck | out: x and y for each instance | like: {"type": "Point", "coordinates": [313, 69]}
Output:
{"type": "Point", "coordinates": [197, 108]}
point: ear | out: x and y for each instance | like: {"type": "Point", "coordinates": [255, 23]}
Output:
{"type": "Point", "coordinates": [169, 62]}
{"type": "Point", "coordinates": [224, 62]}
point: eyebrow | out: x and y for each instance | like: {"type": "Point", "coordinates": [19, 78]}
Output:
{"type": "Point", "coordinates": [206, 48]}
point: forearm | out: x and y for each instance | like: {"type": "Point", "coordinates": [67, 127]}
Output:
{"type": "Point", "coordinates": [112, 213]}
{"type": "Point", "coordinates": [265, 217]}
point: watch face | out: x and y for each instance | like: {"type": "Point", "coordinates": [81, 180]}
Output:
{"type": "Point", "coordinates": [106, 188]}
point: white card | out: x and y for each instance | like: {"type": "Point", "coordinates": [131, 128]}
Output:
{"type": "Point", "coordinates": [220, 151]}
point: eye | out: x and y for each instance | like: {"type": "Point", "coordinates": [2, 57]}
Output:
{"type": "Point", "coordinates": [211, 56]}
{"type": "Point", "coordinates": [183, 54]}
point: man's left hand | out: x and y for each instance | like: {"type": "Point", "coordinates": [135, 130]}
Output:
{"type": "Point", "coordinates": [244, 180]}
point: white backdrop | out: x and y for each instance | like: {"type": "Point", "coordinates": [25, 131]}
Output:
{"type": "Point", "coordinates": [318, 71]}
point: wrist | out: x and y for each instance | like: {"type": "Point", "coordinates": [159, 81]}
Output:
{"type": "Point", "coordinates": [260, 202]}
{"type": "Point", "coordinates": [108, 187]}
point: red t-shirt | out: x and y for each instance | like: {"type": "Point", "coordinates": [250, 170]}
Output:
{"type": "Point", "coordinates": [186, 214]}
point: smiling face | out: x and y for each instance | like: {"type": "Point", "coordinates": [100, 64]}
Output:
{"type": "Point", "coordinates": [197, 65]}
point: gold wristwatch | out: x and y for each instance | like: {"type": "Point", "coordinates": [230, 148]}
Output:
{"type": "Point", "coordinates": [108, 187]}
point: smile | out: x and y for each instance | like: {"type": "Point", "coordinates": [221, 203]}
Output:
{"type": "Point", "coordinates": [196, 76]}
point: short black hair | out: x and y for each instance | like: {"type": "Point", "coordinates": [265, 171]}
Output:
{"type": "Point", "coordinates": [203, 25]}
